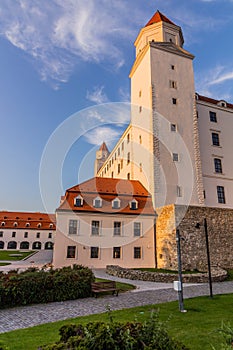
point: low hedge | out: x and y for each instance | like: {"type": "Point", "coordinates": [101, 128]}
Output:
{"type": "Point", "coordinates": [39, 286]}
{"type": "Point", "coordinates": [150, 335]}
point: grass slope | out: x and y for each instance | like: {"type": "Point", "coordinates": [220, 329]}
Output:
{"type": "Point", "coordinates": [196, 328]}
{"type": "Point", "coordinates": [7, 254]}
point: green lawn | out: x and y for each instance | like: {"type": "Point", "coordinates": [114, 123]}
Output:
{"type": "Point", "coordinates": [17, 254]}
{"type": "Point", "coordinates": [196, 328]}
{"type": "Point", "coordinates": [4, 264]}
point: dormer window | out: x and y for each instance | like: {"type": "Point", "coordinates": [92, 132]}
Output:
{"type": "Point", "coordinates": [3, 223]}
{"type": "Point", "coordinates": [27, 224]}
{"type": "Point", "coordinates": [50, 225]}
{"type": "Point", "coordinates": [39, 225]}
{"type": "Point", "coordinates": [97, 202]}
{"type": "Point", "coordinates": [116, 203]}
{"type": "Point", "coordinates": [78, 201]}
{"type": "Point", "coordinates": [15, 224]}
{"type": "Point", "coordinates": [222, 103]}
{"type": "Point", "coordinates": [133, 204]}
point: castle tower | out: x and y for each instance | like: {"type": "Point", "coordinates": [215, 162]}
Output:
{"type": "Point", "coordinates": [163, 108]}
{"type": "Point", "coordinates": [101, 156]}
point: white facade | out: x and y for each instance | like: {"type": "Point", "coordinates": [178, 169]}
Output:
{"type": "Point", "coordinates": [22, 230]}
{"type": "Point", "coordinates": [105, 222]}
{"type": "Point", "coordinates": [171, 136]}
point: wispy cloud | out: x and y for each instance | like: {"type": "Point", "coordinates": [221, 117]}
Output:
{"type": "Point", "coordinates": [210, 83]}
{"type": "Point", "coordinates": [108, 134]}
{"type": "Point", "coordinates": [59, 34]}
{"type": "Point", "coordinates": [97, 95]}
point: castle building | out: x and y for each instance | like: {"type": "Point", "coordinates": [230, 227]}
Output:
{"type": "Point", "coordinates": [178, 143]}
{"type": "Point", "coordinates": [22, 230]}
{"type": "Point", "coordinates": [105, 221]}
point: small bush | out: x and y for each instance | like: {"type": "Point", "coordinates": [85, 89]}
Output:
{"type": "Point", "coordinates": [149, 335]}
{"type": "Point", "coordinates": [40, 286]}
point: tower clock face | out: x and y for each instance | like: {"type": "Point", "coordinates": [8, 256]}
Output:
{"type": "Point", "coordinates": [99, 156]}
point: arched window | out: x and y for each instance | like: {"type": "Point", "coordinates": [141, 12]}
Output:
{"type": "Point", "coordinates": [133, 204]}
{"type": "Point", "coordinates": [50, 225]}
{"type": "Point", "coordinates": [12, 245]}
{"type": "Point", "coordinates": [48, 246]}
{"type": "Point", "coordinates": [97, 202]}
{"type": "Point", "coordinates": [36, 245]}
{"type": "Point", "coordinates": [3, 223]}
{"type": "Point", "coordinates": [78, 201]}
{"type": "Point", "coordinates": [27, 224]}
{"type": "Point", "coordinates": [39, 225]}
{"type": "Point", "coordinates": [15, 224]}
{"type": "Point", "coordinates": [1, 245]}
{"type": "Point", "coordinates": [24, 245]}
{"type": "Point", "coordinates": [116, 203]}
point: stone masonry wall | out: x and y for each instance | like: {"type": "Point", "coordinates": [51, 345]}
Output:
{"type": "Point", "coordinates": [193, 243]}
{"type": "Point", "coordinates": [218, 275]}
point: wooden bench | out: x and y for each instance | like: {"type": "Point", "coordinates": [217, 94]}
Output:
{"type": "Point", "coordinates": [100, 287]}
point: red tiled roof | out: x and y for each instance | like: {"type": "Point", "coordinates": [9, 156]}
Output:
{"type": "Point", "coordinates": [212, 100]}
{"type": "Point", "coordinates": [23, 218]}
{"type": "Point", "coordinates": [108, 189]}
{"type": "Point", "coordinates": [158, 17]}
{"type": "Point", "coordinates": [103, 147]}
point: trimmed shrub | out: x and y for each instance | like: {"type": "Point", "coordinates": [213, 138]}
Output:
{"type": "Point", "coordinates": [149, 335]}
{"type": "Point", "coordinates": [39, 286]}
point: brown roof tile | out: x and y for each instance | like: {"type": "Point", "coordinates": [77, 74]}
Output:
{"type": "Point", "coordinates": [158, 17]}
{"type": "Point", "coordinates": [23, 218]}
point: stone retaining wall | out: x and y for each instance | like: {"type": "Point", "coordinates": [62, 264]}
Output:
{"type": "Point", "coordinates": [193, 244]}
{"type": "Point", "coordinates": [218, 275]}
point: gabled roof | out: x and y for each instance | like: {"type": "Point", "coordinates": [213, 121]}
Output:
{"type": "Point", "coordinates": [158, 17]}
{"type": "Point", "coordinates": [212, 100]}
{"type": "Point", "coordinates": [22, 218]}
{"type": "Point", "coordinates": [108, 189]}
{"type": "Point", "coordinates": [103, 147]}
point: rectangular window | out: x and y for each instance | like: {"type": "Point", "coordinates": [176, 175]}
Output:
{"type": "Point", "coordinates": [221, 194]}
{"type": "Point", "coordinates": [128, 176]}
{"type": "Point", "coordinates": [38, 235]}
{"type": "Point", "coordinates": [213, 117]}
{"type": "Point", "coordinates": [71, 251]}
{"type": "Point", "coordinates": [137, 253]}
{"type": "Point", "coordinates": [116, 252]}
{"type": "Point", "coordinates": [73, 227]}
{"type": "Point", "coordinates": [175, 157]}
{"type": "Point", "coordinates": [174, 101]}
{"type": "Point", "coordinates": [94, 252]}
{"type": "Point", "coordinates": [173, 84]}
{"type": "Point", "coordinates": [118, 151]}
{"type": "Point", "coordinates": [112, 174]}
{"type": "Point", "coordinates": [25, 234]}
{"type": "Point", "coordinates": [140, 139]}
{"type": "Point", "coordinates": [13, 234]}
{"type": "Point", "coordinates": [179, 191]}
{"type": "Point", "coordinates": [128, 158]}
{"type": "Point", "coordinates": [1, 233]}
{"type": "Point", "coordinates": [215, 139]}
{"type": "Point", "coordinates": [172, 67]}
{"type": "Point", "coordinates": [50, 235]}
{"type": "Point", "coordinates": [140, 109]}
{"type": "Point", "coordinates": [121, 163]}
{"type": "Point", "coordinates": [128, 138]}
{"type": "Point", "coordinates": [218, 165]}
{"type": "Point", "coordinates": [173, 127]}
{"type": "Point", "coordinates": [118, 168]}
{"type": "Point", "coordinates": [122, 146]}
{"type": "Point", "coordinates": [137, 229]}
{"type": "Point", "coordinates": [95, 228]}
{"type": "Point", "coordinates": [117, 228]}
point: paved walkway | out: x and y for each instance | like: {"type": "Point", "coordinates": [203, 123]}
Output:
{"type": "Point", "coordinates": [28, 316]}
{"type": "Point", "coordinates": [38, 259]}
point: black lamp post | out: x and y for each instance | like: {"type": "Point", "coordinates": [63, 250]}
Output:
{"type": "Point", "coordinates": [208, 254]}
{"type": "Point", "coordinates": [180, 282]}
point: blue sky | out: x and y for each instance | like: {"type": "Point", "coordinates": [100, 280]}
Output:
{"type": "Point", "coordinates": [60, 57]}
